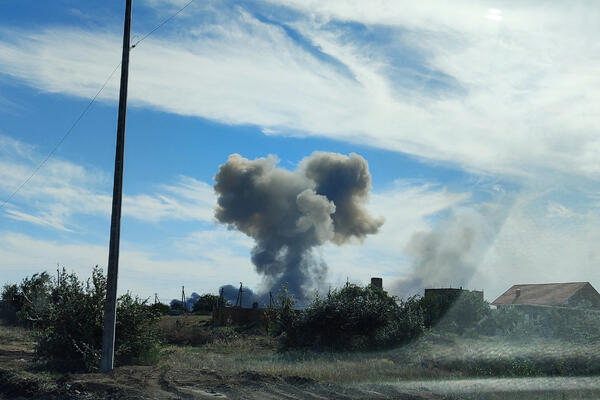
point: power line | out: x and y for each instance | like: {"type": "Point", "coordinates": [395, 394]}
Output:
{"type": "Point", "coordinates": [162, 23]}
{"type": "Point", "coordinates": [87, 108]}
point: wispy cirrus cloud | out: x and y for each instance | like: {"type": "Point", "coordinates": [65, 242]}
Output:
{"type": "Point", "coordinates": [516, 96]}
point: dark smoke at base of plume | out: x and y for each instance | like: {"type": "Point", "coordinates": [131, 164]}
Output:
{"type": "Point", "coordinates": [290, 213]}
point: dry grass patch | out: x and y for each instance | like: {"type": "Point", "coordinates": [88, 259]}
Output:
{"type": "Point", "coordinates": [431, 357]}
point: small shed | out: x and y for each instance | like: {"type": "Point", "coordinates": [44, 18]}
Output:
{"type": "Point", "coordinates": [570, 294]}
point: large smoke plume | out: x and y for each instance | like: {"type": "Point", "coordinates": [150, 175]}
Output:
{"type": "Point", "coordinates": [290, 213]}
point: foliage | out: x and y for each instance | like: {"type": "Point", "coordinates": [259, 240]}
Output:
{"type": "Point", "coordinates": [206, 303]}
{"type": "Point", "coordinates": [8, 311]}
{"type": "Point", "coordinates": [411, 319]}
{"type": "Point", "coordinates": [352, 317]}
{"type": "Point", "coordinates": [177, 306]}
{"type": "Point", "coordinates": [464, 313]}
{"type": "Point", "coordinates": [454, 312]}
{"type": "Point", "coordinates": [137, 335]}
{"type": "Point", "coordinates": [27, 301]}
{"type": "Point", "coordinates": [286, 316]}
{"type": "Point", "coordinates": [571, 324]}
{"type": "Point", "coordinates": [68, 316]}
{"type": "Point", "coordinates": [160, 308]}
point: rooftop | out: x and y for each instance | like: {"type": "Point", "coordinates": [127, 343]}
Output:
{"type": "Point", "coordinates": [551, 294]}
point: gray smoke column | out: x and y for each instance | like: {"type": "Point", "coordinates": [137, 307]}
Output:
{"type": "Point", "coordinates": [450, 254]}
{"type": "Point", "coordinates": [290, 213]}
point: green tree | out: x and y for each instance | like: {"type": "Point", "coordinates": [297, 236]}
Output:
{"type": "Point", "coordinates": [206, 303]}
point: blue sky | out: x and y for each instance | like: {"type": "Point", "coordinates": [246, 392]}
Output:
{"type": "Point", "coordinates": [477, 121]}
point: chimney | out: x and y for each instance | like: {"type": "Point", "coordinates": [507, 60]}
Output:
{"type": "Point", "coordinates": [518, 293]}
{"type": "Point", "coordinates": [377, 282]}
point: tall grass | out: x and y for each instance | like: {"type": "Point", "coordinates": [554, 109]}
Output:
{"type": "Point", "coordinates": [433, 356]}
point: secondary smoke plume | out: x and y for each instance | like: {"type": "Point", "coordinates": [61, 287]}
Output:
{"type": "Point", "coordinates": [290, 213]}
{"type": "Point", "coordinates": [230, 294]}
{"type": "Point", "coordinates": [450, 254]}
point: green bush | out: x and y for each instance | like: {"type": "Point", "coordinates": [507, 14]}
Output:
{"type": "Point", "coordinates": [571, 324]}
{"type": "Point", "coordinates": [411, 319]}
{"type": "Point", "coordinates": [206, 303]}
{"type": "Point", "coordinates": [352, 317]}
{"type": "Point", "coordinates": [67, 315]}
{"type": "Point", "coordinates": [137, 335]}
{"type": "Point", "coordinates": [28, 300]}
{"type": "Point", "coordinates": [8, 311]}
{"type": "Point", "coordinates": [160, 308]}
{"type": "Point", "coordinates": [456, 313]}
{"type": "Point", "coordinates": [464, 313]}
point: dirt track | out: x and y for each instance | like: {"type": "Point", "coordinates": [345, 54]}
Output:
{"type": "Point", "coordinates": [19, 379]}
{"type": "Point", "coordinates": [152, 383]}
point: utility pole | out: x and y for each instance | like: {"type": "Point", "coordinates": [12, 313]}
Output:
{"type": "Point", "coordinates": [110, 306]}
{"type": "Point", "coordinates": [238, 300]}
{"type": "Point", "coordinates": [183, 303]}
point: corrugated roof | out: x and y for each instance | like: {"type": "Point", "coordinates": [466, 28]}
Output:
{"type": "Point", "coordinates": [549, 294]}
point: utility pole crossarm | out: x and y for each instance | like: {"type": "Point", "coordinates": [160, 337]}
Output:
{"type": "Point", "coordinates": [110, 306]}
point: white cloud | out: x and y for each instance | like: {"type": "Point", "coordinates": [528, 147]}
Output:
{"type": "Point", "coordinates": [61, 191]}
{"type": "Point", "coordinates": [188, 199]}
{"type": "Point", "coordinates": [524, 104]}
{"type": "Point", "coordinates": [141, 272]}
{"type": "Point", "coordinates": [44, 220]}
{"type": "Point", "coordinates": [558, 210]}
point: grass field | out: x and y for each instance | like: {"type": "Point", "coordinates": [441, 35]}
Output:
{"type": "Point", "coordinates": [245, 364]}
{"type": "Point", "coordinates": [433, 356]}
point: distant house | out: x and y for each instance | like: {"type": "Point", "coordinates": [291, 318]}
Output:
{"type": "Point", "coordinates": [570, 294]}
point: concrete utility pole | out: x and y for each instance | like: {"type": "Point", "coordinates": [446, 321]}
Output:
{"type": "Point", "coordinates": [110, 306]}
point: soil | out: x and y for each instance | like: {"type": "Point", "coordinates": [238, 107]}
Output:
{"type": "Point", "coordinates": [19, 379]}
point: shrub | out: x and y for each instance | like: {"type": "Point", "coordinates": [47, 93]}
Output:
{"type": "Point", "coordinates": [160, 308]}
{"type": "Point", "coordinates": [465, 313]}
{"type": "Point", "coordinates": [206, 303]}
{"type": "Point", "coordinates": [137, 335]}
{"type": "Point", "coordinates": [71, 334]}
{"type": "Point", "coordinates": [8, 311]}
{"type": "Point", "coordinates": [28, 300]}
{"type": "Point", "coordinates": [411, 319]}
{"type": "Point", "coordinates": [352, 317]}
{"type": "Point", "coordinates": [68, 317]}
{"type": "Point", "coordinates": [177, 306]}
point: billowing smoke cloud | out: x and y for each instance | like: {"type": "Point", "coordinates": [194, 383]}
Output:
{"type": "Point", "coordinates": [290, 213]}
{"type": "Point", "coordinates": [450, 254]}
